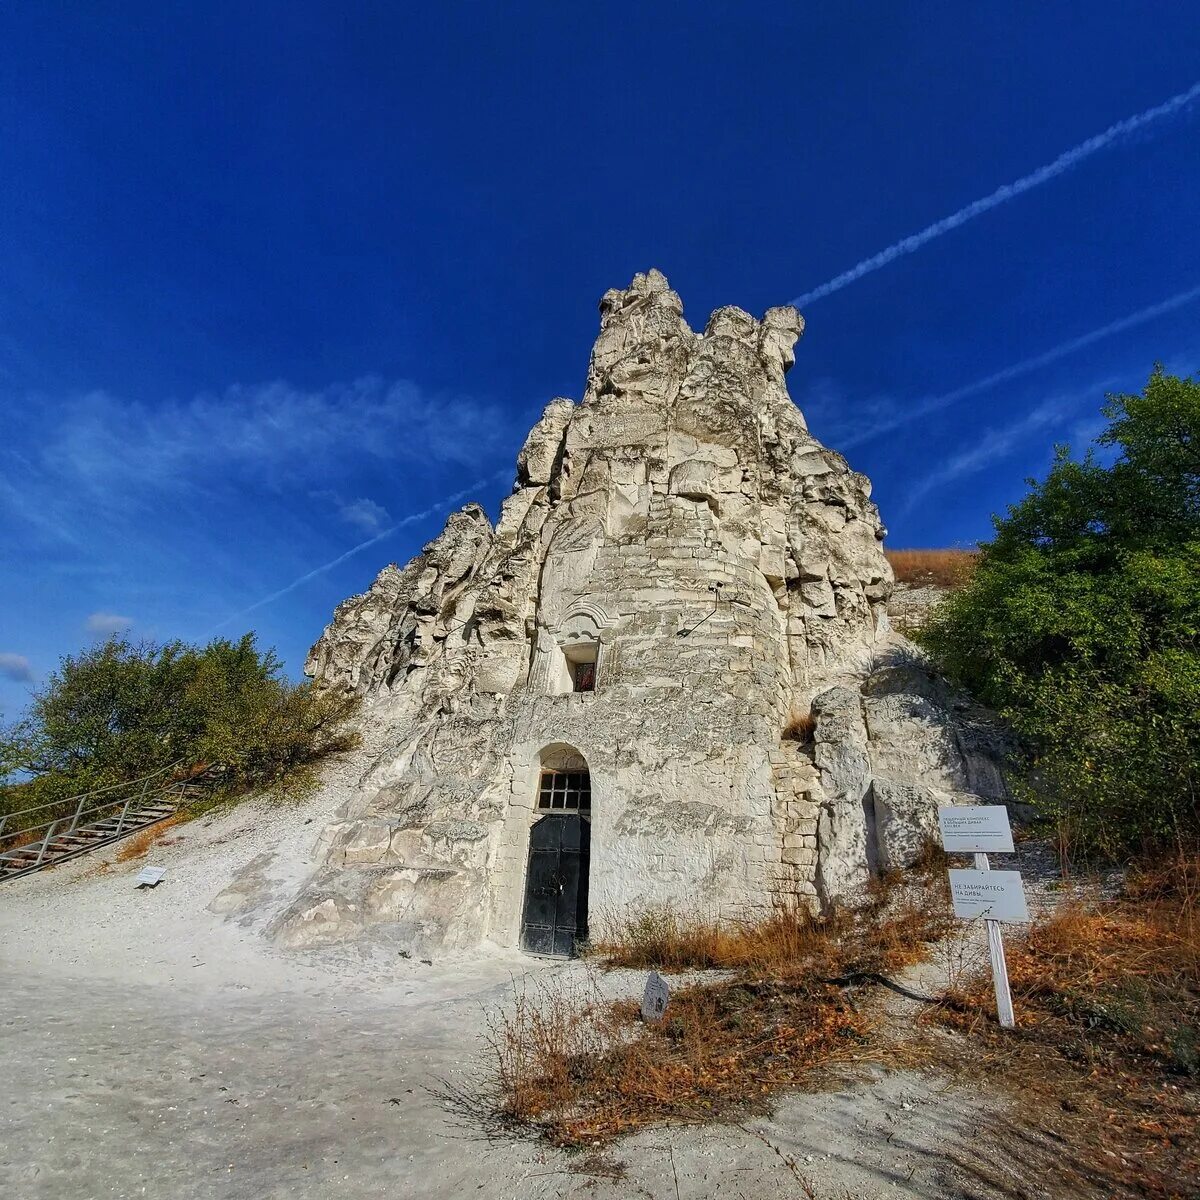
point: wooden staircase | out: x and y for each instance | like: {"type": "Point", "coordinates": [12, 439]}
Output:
{"type": "Point", "coordinates": [80, 824]}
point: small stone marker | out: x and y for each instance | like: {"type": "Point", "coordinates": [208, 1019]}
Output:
{"type": "Point", "coordinates": [151, 876]}
{"type": "Point", "coordinates": [976, 828]}
{"type": "Point", "coordinates": [655, 997]}
{"type": "Point", "coordinates": [993, 895]}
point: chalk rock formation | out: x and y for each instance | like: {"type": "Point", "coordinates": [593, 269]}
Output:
{"type": "Point", "coordinates": [680, 569]}
{"type": "Point", "coordinates": [911, 605]}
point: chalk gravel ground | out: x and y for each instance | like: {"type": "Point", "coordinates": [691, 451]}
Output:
{"type": "Point", "coordinates": [151, 1048]}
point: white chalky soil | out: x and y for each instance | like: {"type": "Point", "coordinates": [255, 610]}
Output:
{"type": "Point", "coordinates": [149, 1047]}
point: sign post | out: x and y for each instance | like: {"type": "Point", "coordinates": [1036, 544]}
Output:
{"type": "Point", "coordinates": [1004, 1005]}
{"type": "Point", "coordinates": [993, 895]}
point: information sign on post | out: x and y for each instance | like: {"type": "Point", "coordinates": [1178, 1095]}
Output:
{"type": "Point", "coordinates": [993, 895]}
{"type": "Point", "coordinates": [976, 828]}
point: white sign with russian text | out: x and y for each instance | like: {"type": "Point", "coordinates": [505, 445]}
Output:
{"type": "Point", "coordinates": [993, 895]}
{"type": "Point", "coordinates": [976, 828]}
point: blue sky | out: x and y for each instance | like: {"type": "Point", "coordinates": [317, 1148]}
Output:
{"type": "Point", "coordinates": [276, 279]}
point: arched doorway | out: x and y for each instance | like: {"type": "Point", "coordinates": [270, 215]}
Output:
{"type": "Point", "coordinates": [555, 915]}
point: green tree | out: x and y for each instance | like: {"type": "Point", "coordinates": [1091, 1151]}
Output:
{"type": "Point", "coordinates": [1081, 624]}
{"type": "Point", "coordinates": [123, 709]}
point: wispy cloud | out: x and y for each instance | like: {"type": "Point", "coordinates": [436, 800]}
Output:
{"type": "Point", "coordinates": [990, 447]}
{"type": "Point", "coordinates": [106, 624]}
{"type": "Point", "coordinates": [1138, 123]}
{"type": "Point", "coordinates": [16, 667]}
{"type": "Point", "coordinates": [364, 513]}
{"type": "Point", "coordinates": [273, 430]}
{"type": "Point", "coordinates": [110, 455]}
{"type": "Point", "coordinates": [882, 418]}
{"type": "Point", "coordinates": [412, 518]}
{"type": "Point", "coordinates": [29, 503]}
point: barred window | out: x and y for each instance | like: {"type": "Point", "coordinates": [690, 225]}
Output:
{"type": "Point", "coordinates": [565, 791]}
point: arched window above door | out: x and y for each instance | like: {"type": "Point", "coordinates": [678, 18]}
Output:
{"type": "Point", "coordinates": [564, 783]}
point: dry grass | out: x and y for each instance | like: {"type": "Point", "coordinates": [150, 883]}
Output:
{"type": "Point", "coordinates": [580, 1069]}
{"type": "Point", "coordinates": [799, 726]}
{"type": "Point", "coordinates": [932, 568]}
{"type": "Point", "coordinates": [1103, 1070]}
{"type": "Point", "coordinates": [889, 932]}
{"type": "Point", "coordinates": [1107, 1053]}
{"type": "Point", "coordinates": [583, 1074]}
{"type": "Point", "coordinates": [138, 844]}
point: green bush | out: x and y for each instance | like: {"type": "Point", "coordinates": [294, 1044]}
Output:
{"type": "Point", "coordinates": [122, 709]}
{"type": "Point", "coordinates": [1081, 624]}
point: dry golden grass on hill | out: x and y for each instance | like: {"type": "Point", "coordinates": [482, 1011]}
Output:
{"type": "Point", "coordinates": [932, 568]}
{"type": "Point", "coordinates": [1103, 1071]}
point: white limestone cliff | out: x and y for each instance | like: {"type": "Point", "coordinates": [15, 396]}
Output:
{"type": "Point", "coordinates": [681, 525]}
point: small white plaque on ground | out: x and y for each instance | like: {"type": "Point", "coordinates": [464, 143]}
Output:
{"type": "Point", "coordinates": [993, 895]}
{"type": "Point", "coordinates": [151, 876]}
{"type": "Point", "coordinates": [976, 828]}
{"type": "Point", "coordinates": [655, 997]}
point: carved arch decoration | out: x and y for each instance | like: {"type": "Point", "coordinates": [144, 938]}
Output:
{"type": "Point", "coordinates": [584, 622]}
{"type": "Point", "coordinates": [569, 561]}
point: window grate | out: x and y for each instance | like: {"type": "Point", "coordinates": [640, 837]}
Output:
{"type": "Point", "coordinates": [565, 791]}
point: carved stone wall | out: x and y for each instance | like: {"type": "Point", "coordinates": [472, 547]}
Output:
{"type": "Point", "coordinates": [729, 571]}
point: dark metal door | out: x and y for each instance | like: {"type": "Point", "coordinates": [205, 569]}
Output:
{"type": "Point", "coordinates": [556, 886]}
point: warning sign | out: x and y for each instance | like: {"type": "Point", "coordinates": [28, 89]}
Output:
{"type": "Point", "coordinates": [993, 895]}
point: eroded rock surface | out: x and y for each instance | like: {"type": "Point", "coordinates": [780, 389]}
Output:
{"type": "Point", "coordinates": [911, 605]}
{"type": "Point", "coordinates": [681, 529]}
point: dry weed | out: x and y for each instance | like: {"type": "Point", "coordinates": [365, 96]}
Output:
{"type": "Point", "coordinates": [799, 726]}
{"type": "Point", "coordinates": [138, 844]}
{"type": "Point", "coordinates": [581, 1069]}
{"type": "Point", "coordinates": [584, 1073]}
{"type": "Point", "coordinates": [902, 913]}
{"type": "Point", "coordinates": [1107, 1050]}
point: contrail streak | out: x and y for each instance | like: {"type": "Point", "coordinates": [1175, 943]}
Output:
{"type": "Point", "coordinates": [933, 403]}
{"type": "Point", "coordinates": [411, 519]}
{"type": "Point", "coordinates": [1064, 162]}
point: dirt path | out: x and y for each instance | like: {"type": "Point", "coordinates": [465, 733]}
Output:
{"type": "Point", "coordinates": [127, 1091]}
{"type": "Point", "coordinates": [151, 1048]}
